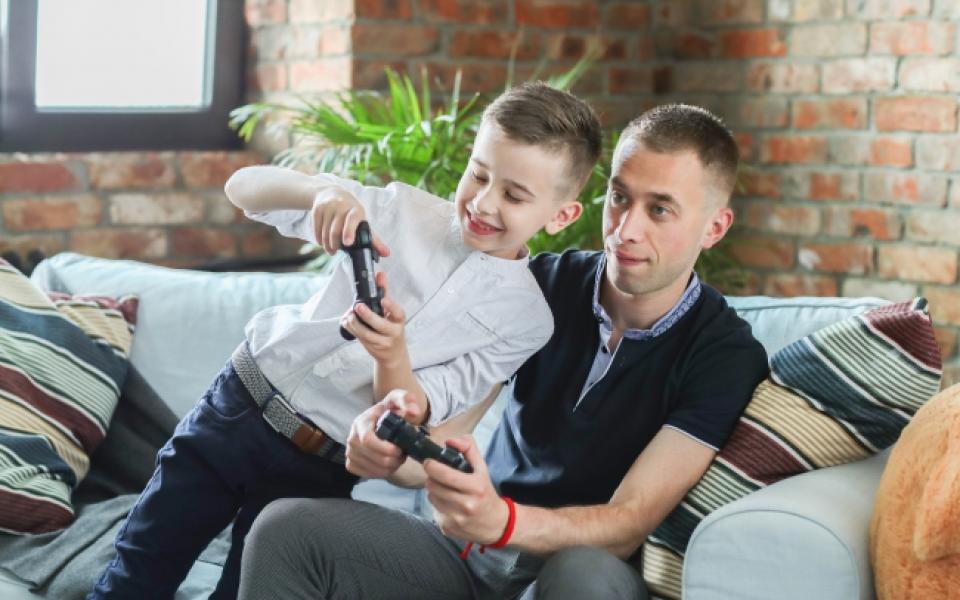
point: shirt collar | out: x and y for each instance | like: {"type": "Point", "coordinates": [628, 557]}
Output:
{"type": "Point", "coordinates": [687, 300]}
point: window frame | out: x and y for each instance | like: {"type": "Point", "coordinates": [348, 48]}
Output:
{"type": "Point", "coordinates": [24, 128]}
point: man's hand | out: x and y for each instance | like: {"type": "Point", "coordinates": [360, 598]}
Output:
{"type": "Point", "coordinates": [383, 337]}
{"type": "Point", "coordinates": [466, 505]}
{"type": "Point", "coordinates": [336, 215]}
{"type": "Point", "coordinates": [369, 456]}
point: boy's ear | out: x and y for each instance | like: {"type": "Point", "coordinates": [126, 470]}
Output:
{"type": "Point", "coordinates": [566, 215]}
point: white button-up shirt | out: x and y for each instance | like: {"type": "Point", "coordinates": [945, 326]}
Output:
{"type": "Point", "coordinates": [472, 318]}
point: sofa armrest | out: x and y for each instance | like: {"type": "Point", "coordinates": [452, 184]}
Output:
{"type": "Point", "coordinates": [804, 537]}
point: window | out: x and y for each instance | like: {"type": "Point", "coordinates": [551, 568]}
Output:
{"type": "Point", "coordinates": [80, 75]}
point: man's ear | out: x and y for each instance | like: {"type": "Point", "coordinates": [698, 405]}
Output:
{"type": "Point", "coordinates": [565, 216]}
{"type": "Point", "coordinates": [717, 227]}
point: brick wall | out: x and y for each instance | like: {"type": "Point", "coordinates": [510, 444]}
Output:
{"type": "Point", "coordinates": [846, 112]}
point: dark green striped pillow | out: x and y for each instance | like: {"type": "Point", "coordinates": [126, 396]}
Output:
{"type": "Point", "coordinates": [836, 396]}
{"type": "Point", "coordinates": [63, 361]}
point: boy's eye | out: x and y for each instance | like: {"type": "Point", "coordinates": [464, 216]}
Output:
{"type": "Point", "coordinates": [478, 177]}
{"type": "Point", "coordinates": [512, 199]}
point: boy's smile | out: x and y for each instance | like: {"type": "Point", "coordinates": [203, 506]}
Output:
{"type": "Point", "coordinates": [509, 191]}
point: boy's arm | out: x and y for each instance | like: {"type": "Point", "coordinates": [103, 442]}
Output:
{"type": "Point", "coordinates": [268, 188]}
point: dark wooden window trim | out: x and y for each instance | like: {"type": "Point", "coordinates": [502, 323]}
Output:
{"type": "Point", "coordinates": [24, 129]}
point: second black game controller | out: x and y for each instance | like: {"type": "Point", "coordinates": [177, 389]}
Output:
{"type": "Point", "coordinates": [363, 256]}
{"type": "Point", "coordinates": [415, 442]}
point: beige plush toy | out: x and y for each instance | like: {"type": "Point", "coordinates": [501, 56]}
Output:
{"type": "Point", "coordinates": [915, 532]}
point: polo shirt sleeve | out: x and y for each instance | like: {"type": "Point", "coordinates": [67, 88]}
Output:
{"type": "Point", "coordinates": [717, 386]}
{"type": "Point", "coordinates": [456, 385]}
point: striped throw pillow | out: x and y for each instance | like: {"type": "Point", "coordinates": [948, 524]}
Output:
{"type": "Point", "coordinates": [63, 361]}
{"type": "Point", "coordinates": [836, 396]}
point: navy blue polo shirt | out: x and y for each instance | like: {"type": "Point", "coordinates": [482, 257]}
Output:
{"type": "Point", "coordinates": [556, 448]}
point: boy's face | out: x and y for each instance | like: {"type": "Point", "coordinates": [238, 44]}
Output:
{"type": "Point", "coordinates": [661, 210]}
{"type": "Point", "coordinates": [510, 191]}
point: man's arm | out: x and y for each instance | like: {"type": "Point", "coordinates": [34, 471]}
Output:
{"type": "Point", "coordinates": [468, 506]}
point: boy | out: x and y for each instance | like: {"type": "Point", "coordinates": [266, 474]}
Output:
{"type": "Point", "coordinates": [459, 270]}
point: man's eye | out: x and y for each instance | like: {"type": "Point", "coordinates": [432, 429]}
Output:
{"type": "Point", "coordinates": [661, 211]}
{"type": "Point", "coordinates": [616, 197]}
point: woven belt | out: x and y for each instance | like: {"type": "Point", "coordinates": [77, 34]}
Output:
{"type": "Point", "coordinates": [278, 413]}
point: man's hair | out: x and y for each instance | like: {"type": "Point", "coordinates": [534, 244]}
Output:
{"type": "Point", "coordinates": [535, 113]}
{"type": "Point", "coordinates": [681, 127]}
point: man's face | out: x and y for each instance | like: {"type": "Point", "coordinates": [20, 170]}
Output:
{"type": "Point", "coordinates": [659, 212]}
{"type": "Point", "coordinates": [508, 192]}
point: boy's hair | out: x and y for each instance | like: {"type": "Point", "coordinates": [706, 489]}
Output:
{"type": "Point", "coordinates": [680, 127]}
{"type": "Point", "coordinates": [535, 113]}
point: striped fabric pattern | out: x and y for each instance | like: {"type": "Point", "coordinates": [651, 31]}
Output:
{"type": "Point", "coordinates": [63, 361]}
{"type": "Point", "coordinates": [839, 395]}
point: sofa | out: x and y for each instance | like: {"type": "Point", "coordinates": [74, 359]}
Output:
{"type": "Point", "coordinates": [804, 537]}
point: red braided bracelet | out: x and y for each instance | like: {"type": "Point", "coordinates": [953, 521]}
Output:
{"type": "Point", "coordinates": [507, 531]}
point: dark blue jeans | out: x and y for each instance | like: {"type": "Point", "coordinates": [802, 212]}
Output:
{"type": "Point", "coordinates": [224, 462]}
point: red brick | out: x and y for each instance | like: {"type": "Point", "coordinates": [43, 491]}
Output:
{"type": "Point", "coordinates": [874, 223]}
{"type": "Point", "coordinates": [946, 341]}
{"type": "Point", "coordinates": [752, 43]}
{"type": "Point", "coordinates": [23, 244]}
{"type": "Point", "coordinates": [794, 149]}
{"type": "Point", "coordinates": [630, 16]}
{"type": "Point", "coordinates": [918, 263]}
{"type": "Point", "coordinates": [269, 78]}
{"type": "Point", "coordinates": [494, 44]}
{"type": "Point", "coordinates": [891, 152]}
{"type": "Point", "coordinates": [905, 188]}
{"type": "Point", "coordinates": [834, 186]}
{"type": "Point", "coordinates": [944, 304]}
{"type": "Point", "coordinates": [370, 74]}
{"type": "Point", "coordinates": [937, 226]}
{"type": "Point", "coordinates": [858, 75]}
{"type": "Point", "coordinates": [745, 145]}
{"type": "Point", "coordinates": [212, 169]}
{"type": "Point", "coordinates": [759, 184]}
{"type": "Point", "coordinates": [36, 178]}
{"type": "Point", "coordinates": [763, 112]}
{"type": "Point", "coordinates": [887, 9]}
{"type": "Point", "coordinates": [784, 78]}
{"type": "Point", "coordinates": [762, 253]}
{"type": "Point", "coordinates": [847, 113]}
{"type": "Point", "coordinates": [930, 74]}
{"type": "Point", "coordinates": [256, 242]}
{"type": "Point", "coordinates": [673, 14]}
{"type": "Point", "coordinates": [625, 80]}
{"type": "Point", "coordinates": [475, 78]}
{"type": "Point", "coordinates": [265, 12]}
{"type": "Point", "coordinates": [322, 75]}
{"type": "Point", "coordinates": [723, 12]}
{"type": "Point", "coordinates": [848, 39]}
{"type": "Point", "coordinates": [790, 285]}
{"type": "Point", "coordinates": [646, 47]}
{"type": "Point", "coordinates": [383, 9]}
{"type": "Point", "coordinates": [938, 153]}
{"type": "Point", "coordinates": [203, 242]}
{"type": "Point", "coordinates": [854, 259]}
{"type": "Point", "coordinates": [394, 40]}
{"type": "Point", "coordinates": [707, 77]}
{"type": "Point", "coordinates": [54, 212]}
{"type": "Point", "coordinates": [687, 44]}
{"type": "Point", "coordinates": [912, 37]}
{"type": "Point", "coordinates": [332, 42]}
{"type": "Point", "coordinates": [547, 13]}
{"type": "Point", "coordinates": [915, 113]}
{"type": "Point", "coordinates": [787, 220]}
{"type": "Point", "coordinates": [120, 243]}
{"type": "Point", "coordinates": [474, 12]}
{"type": "Point", "coordinates": [162, 209]}
{"type": "Point", "coordinates": [128, 170]}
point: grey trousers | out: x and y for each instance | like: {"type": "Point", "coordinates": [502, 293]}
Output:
{"type": "Point", "coordinates": [313, 549]}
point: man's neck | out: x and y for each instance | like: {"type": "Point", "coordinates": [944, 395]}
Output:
{"type": "Point", "coordinates": [639, 311]}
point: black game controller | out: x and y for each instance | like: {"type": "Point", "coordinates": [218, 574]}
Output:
{"type": "Point", "coordinates": [362, 254]}
{"type": "Point", "coordinates": [416, 444]}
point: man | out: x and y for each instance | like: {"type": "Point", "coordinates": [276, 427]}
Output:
{"type": "Point", "coordinates": [607, 427]}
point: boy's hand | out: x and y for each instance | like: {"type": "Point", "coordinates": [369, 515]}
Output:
{"type": "Point", "coordinates": [336, 215]}
{"type": "Point", "coordinates": [466, 505]}
{"type": "Point", "coordinates": [383, 337]}
{"type": "Point", "coordinates": [369, 456]}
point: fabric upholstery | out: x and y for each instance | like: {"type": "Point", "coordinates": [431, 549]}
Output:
{"type": "Point", "coordinates": [63, 360]}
